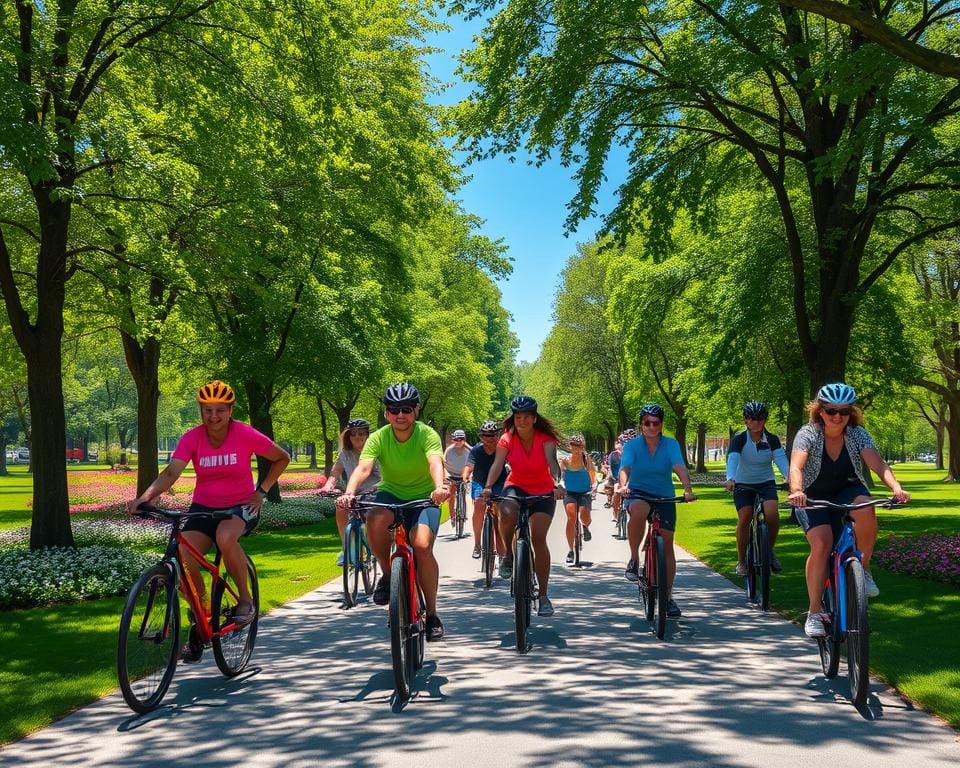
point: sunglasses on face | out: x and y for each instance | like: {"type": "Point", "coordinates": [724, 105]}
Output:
{"type": "Point", "coordinates": [396, 410]}
{"type": "Point", "coordinates": [359, 433]}
{"type": "Point", "coordinates": [836, 411]}
{"type": "Point", "coordinates": [488, 434]}
{"type": "Point", "coordinates": [651, 423]}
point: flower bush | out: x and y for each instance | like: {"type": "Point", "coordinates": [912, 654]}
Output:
{"type": "Point", "coordinates": [62, 574]}
{"type": "Point", "coordinates": [298, 510]}
{"type": "Point", "coordinates": [123, 532]}
{"type": "Point", "coordinates": [933, 556]}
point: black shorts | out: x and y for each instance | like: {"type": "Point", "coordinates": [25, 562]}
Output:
{"type": "Point", "coordinates": [743, 495]}
{"type": "Point", "coordinates": [580, 498]}
{"type": "Point", "coordinates": [666, 509]}
{"type": "Point", "coordinates": [812, 518]}
{"type": "Point", "coordinates": [542, 507]}
{"type": "Point", "coordinates": [208, 525]}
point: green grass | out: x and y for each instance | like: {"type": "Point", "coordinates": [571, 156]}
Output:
{"type": "Point", "coordinates": [912, 645]}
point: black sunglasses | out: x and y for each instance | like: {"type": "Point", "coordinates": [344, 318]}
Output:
{"type": "Point", "coordinates": [398, 409]}
{"type": "Point", "coordinates": [489, 434]}
{"type": "Point", "coordinates": [835, 411]}
{"type": "Point", "coordinates": [652, 423]}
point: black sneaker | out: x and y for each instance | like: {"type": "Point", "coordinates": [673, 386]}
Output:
{"type": "Point", "coordinates": [434, 628]}
{"type": "Point", "coordinates": [673, 610]}
{"type": "Point", "coordinates": [570, 557]}
{"type": "Point", "coordinates": [506, 568]}
{"type": "Point", "coordinates": [633, 571]}
{"type": "Point", "coordinates": [192, 650]}
{"type": "Point", "coordinates": [381, 595]}
{"type": "Point", "coordinates": [586, 533]}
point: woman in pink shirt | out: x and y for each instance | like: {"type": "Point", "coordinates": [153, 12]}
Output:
{"type": "Point", "coordinates": [220, 450]}
{"type": "Point", "coordinates": [529, 445]}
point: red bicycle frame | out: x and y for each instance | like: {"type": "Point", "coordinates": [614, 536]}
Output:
{"type": "Point", "coordinates": [650, 548]}
{"type": "Point", "coordinates": [189, 590]}
{"type": "Point", "coordinates": [402, 549]}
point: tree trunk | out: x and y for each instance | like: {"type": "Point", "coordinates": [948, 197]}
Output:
{"type": "Point", "coordinates": [701, 447]}
{"type": "Point", "coordinates": [953, 437]}
{"type": "Point", "coordinates": [680, 434]}
{"type": "Point", "coordinates": [260, 399]}
{"type": "Point", "coordinates": [312, 448]}
{"type": "Point", "coordinates": [144, 364]}
{"type": "Point", "coordinates": [3, 460]}
{"type": "Point", "coordinates": [327, 442]}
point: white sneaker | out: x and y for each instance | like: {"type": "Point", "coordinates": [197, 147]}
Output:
{"type": "Point", "coordinates": [742, 569]}
{"type": "Point", "coordinates": [814, 626]}
{"type": "Point", "coordinates": [871, 586]}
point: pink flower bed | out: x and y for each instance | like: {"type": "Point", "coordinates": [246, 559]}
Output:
{"type": "Point", "coordinates": [108, 492]}
{"type": "Point", "coordinates": [933, 556]}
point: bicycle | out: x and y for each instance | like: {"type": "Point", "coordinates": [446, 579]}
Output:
{"type": "Point", "coordinates": [458, 511]}
{"type": "Point", "coordinates": [358, 559]}
{"type": "Point", "coordinates": [488, 554]}
{"type": "Point", "coordinates": [523, 583]}
{"type": "Point", "coordinates": [759, 553]}
{"type": "Point", "coordinates": [578, 529]}
{"type": "Point", "coordinates": [149, 640]}
{"type": "Point", "coordinates": [846, 619]}
{"type": "Point", "coordinates": [653, 588]}
{"type": "Point", "coordinates": [407, 611]}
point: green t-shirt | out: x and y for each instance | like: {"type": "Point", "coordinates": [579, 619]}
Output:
{"type": "Point", "coordinates": [404, 466]}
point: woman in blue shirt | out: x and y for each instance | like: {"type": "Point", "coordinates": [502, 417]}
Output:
{"type": "Point", "coordinates": [579, 482]}
{"type": "Point", "coordinates": [647, 466]}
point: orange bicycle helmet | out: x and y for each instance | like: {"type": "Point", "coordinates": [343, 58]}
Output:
{"type": "Point", "coordinates": [214, 393]}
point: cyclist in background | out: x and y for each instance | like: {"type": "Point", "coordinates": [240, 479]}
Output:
{"type": "Point", "coordinates": [826, 464]}
{"type": "Point", "coordinates": [647, 466]}
{"type": "Point", "coordinates": [220, 450]}
{"type": "Point", "coordinates": [352, 440]}
{"type": "Point", "coordinates": [411, 466]}
{"type": "Point", "coordinates": [455, 459]}
{"type": "Point", "coordinates": [475, 473]}
{"type": "Point", "coordinates": [529, 444]}
{"type": "Point", "coordinates": [749, 475]}
{"type": "Point", "coordinates": [579, 480]}
{"type": "Point", "coordinates": [613, 462]}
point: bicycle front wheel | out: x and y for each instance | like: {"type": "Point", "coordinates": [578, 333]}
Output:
{"type": "Point", "coordinates": [577, 542]}
{"type": "Point", "coordinates": [351, 564]}
{"type": "Point", "coordinates": [622, 523]}
{"type": "Point", "coordinates": [521, 594]}
{"type": "Point", "coordinates": [461, 510]}
{"type": "Point", "coordinates": [232, 642]}
{"type": "Point", "coordinates": [763, 566]}
{"type": "Point", "coordinates": [149, 638]}
{"type": "Point", "coordinates": [858, 633]}
{"type": "Point", "coordinates": [400, 628]}
{"type": "Point", "coordinates": [648, 582]}
{"type": "Point", "coordinates": [663, 594]}
{"type": "Point", "coordinates": [828, 646]}
{"type": "Point", "coordinates": [487, 550]}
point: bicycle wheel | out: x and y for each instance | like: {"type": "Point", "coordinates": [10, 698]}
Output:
{"type": "Point", "coordinates": [763, 566]}
{"type": "Point", "coordinates": [828, 646]}
{"type": "Point", "coordinates": [368, 565]}
{"type": "Point", "coordinates": [400, 628]}
{"type": "Point", "coordinates": [418, 640]}
{"type": "Point", "coordinates": [858, 633]}
{"type": "Point", "coordinates": [577, 542]}
{"type": "Point", "coordinates": [351, 564]}
{"type": "Point", "coordinates": [622, 523]}
{"type": "Point", "coordinates": [233, 643]}
{"type": "Point", "coordinates": [521, 593]}
{"type": "Point", "coordinates": [662, 594]}
{"type": "Point", "coordinates": [149, 638]}
{"type": "Point", "coordinates": [487, 550]}
{"type": "Point", "coordinates": [648, 581]}
{"type": "Point", "coordinates": [461, 510]}
{"type": "Point", "coordinates": [751, 561]}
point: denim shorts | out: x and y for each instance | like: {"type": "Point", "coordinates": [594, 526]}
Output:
{"type": "Point", "coordinates": [208, 525]}
{"type": "Point", "coordinates": [476, 489]}
{"type": "Point", "coordinates": [812, 518]}
{"type": "Point", "coordinates": [666, 509]}
{"type": "Point", "coordinates": [743, 495]}
{"type": "Point", "coordinates": [428, 516]}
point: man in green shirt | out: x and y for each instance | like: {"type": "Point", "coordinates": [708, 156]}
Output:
{"type": "Point", "coordinates": [411, 464]}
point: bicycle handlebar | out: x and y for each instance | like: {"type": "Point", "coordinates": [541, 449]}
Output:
{"type": "Point", "coordinates": [415, 504]}
{"type": "Point", "coordinates": [817, 504]}
{"type": "Point", "coordinates": [168, 515]}
{"type": "Point", "coordinates": [525, 499]}
{"type": "Point", "coordinates": [635, 496]}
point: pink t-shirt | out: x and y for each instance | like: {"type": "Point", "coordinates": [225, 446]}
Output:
{"type": "Point", "coordinates": [528, 471]}
{"type": "Point", "coordinates": [224, 475]}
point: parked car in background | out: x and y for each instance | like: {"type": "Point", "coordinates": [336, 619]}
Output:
{"type": "Point", "coordinates": [23, 455]}
{"type": "Point", "coordinates": [11, 455]}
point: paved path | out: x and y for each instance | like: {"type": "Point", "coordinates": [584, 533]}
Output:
{"type": "Point", "coordinates": [728, 687]}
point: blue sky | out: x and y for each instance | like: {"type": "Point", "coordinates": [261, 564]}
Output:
{"type": "Point", "coordinates": [523, 204]}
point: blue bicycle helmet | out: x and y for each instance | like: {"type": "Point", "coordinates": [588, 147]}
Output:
{"type": "Point", "coordinates": [523, 403]}
{"type": "Point", "coordinates": [401, 394]}
{"type": "Point", "coordinates": [358, 424]}
{"type": "Point", "coordinates": [652, 409]}
{"type": "Point", "coordinates": [755, 410]}
{"type": "Point", "coordinates": [837, 394]}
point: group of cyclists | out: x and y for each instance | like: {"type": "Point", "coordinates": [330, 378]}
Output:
{"type": "Point", "coordinates": [518, 458]}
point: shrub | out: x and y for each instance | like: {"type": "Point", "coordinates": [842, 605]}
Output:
{"type": "Point", "coordinates": [933, 556]}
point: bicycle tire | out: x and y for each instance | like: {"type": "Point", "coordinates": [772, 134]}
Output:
{"type": "Point", "coordinates": [763, 567]}
{"type": "Point", "coordinates": [418, 641]}
{"type": "Point", "coordinates": [663, 595]}
{"type": "Point", "coordinates": [351, 564]}
{"type": "Point", "coordinates": [147, 660]}
{"type": "Point", "coordinates": [400, 628]}
{"type": "Point", "coordinates": [751, 558]}
{"type": "Point", "coordinates": [622, 523]}
{"type": "Point", "coordinates": [858, 633]}
{"type": "Point", "coordinates": [368, 565]}
{"type": "Point", "coordinates": [461, 506]}
{"type": "Point", "coordinates": [829, 646]}
{"type": "Point", "coordinates": [648, 581]}
{"type": "Point", "coordinates": [521, 594]}
{"type": "Point", "coordinates": [232, 650]}
{"type": "Point", "coordinates": [577, 541]}
{"type": "Point", "coordinates": [487, 550]}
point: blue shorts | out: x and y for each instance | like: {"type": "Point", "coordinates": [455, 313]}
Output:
{"type": "Point", "coordinates": [428, 516]}
{"type": "Point", "coordinates": [477, 488]}
{"type": "Point", "coordinates": [812, 518]}
{"type": "Point", "coordinates": [744, 494]}
{"type": "Point", "coordinates": [208, 525]}
{"type": "Point", "coordinates": [666, 509]}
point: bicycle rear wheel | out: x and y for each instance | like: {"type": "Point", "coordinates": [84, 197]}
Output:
{"type": "Point", "coordinates": [487, 550]}
{"type": "Point", "coordinates": [368, 564]}
{"type": "Point", "coordinates": [829, 646]}
{"type": "Point", "coordinates": [858, 633]}
{"type": "Point", "coordinates": [763, 566]}
{"type": "Point", "coordinates": [149, 638]}
{"type": "Point", "coordinates": [521, 594]}
{"type": "Point", "coordinates": [400, 628]}
{"type": "Point", "coordinates": [233, 643]}
{"type": "Point", "coordinates": [622, 523]}
{"type": "Point", "coordinates": [351, 564]}
{"type": "Point", "coordinates": [662, 594]}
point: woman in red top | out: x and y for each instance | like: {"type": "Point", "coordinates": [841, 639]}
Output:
{"type": "Point", "coordinates": [529, 445]}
